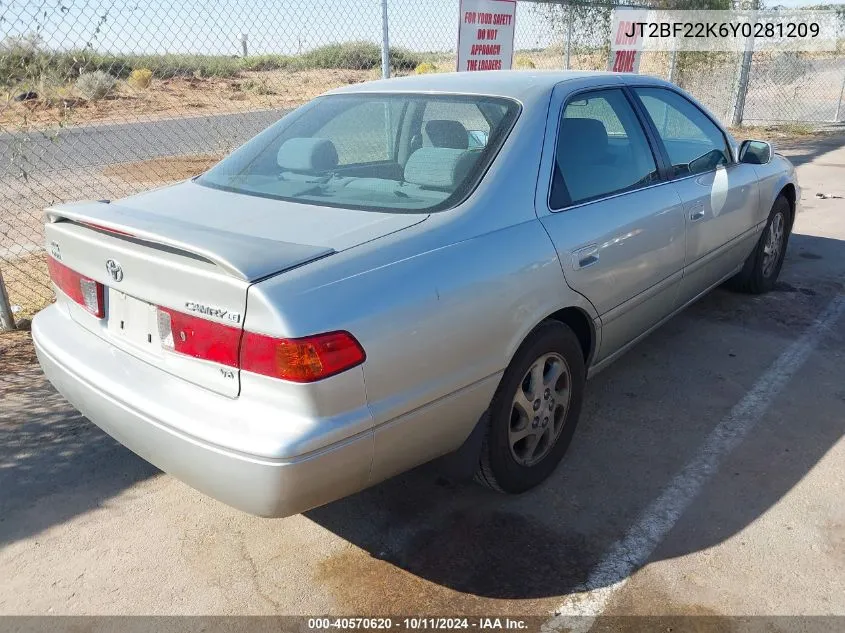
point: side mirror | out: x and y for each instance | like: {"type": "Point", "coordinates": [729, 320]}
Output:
{"type": "Point", "coordinates": [477, 139]}
{"type": "Point", "coordinates": [755, 152]}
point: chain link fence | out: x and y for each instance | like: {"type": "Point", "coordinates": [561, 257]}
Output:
{"type": "Point", "coordinates": [105, 99]}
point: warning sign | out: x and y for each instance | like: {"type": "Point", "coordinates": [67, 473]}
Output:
{"type": "Point", "coordinates": [626, 42]}
{"type": "Point", "coordinates": [485, 34]}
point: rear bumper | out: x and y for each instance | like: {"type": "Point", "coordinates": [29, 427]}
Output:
{"type": "Point", "coordinates": [84, 368]}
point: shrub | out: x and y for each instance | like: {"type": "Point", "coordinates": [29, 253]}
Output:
{"type": "Point", "coordinates": [163, 66]}
{"type": "Point", "coordinates": [425, 68]}
{"type": "Point", "coordinates": [523, 61]}
{"type": "Point", "coordinates": [357, 56]}
{"type": "Point", "coordinates": [23, 60]}
{"type": "Point", "coordinates": [352, 55]}
{"type": "Point", "coordinates": [269, 62]}
{"type": "Point", "coordinates": [402, 59]}
{"type": "Point", "coordinates": [95, 85]}
{"type": "Point", "coordinates": [257, 87]}
{"type": "Point", "coordinates": [140, 78]}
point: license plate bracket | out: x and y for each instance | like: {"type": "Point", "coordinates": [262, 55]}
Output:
{"type": "Point", "coordinates": [133, 320]}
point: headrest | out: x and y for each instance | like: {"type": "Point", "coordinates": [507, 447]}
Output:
{"type": "Point", "coordinates": [307, 154]}
{"type": "Point", "coordinates": [587, 136]}
{"type": "Point", "coordinates": [439, 167]}
{"type": "Point", "coordinates": [444, 133]}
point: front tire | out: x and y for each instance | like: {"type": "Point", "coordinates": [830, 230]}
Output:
{"type": "Point", "coordinates": [533, 414]}
{"type": "Point", "coordinates": [761, 269]}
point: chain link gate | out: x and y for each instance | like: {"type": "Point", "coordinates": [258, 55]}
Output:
{"type": "Point", "coordinates": [105, 99]}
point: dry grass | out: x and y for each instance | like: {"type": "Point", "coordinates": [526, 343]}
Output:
{"type": "Point", "coordinates": [161, 170]}
{"type": "Point", "coordinates": [783, 133]}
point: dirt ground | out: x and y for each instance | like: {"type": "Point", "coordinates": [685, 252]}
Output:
{"type": "Point", "coordinates": [161, 170]}
{"type": "Point", "coordinates": [176, 97]}
{"type": "Point", "coordinates": [28, 285]}
{"type": "Point", "coordinates": [16, 351]}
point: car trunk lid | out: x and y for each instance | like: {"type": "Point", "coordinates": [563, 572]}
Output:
{"type": "Point", "coordinates": [175, 280]}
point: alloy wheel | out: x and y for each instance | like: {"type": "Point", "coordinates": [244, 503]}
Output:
{"type": "Point", "coordinates": [774, 244]}
{"type": "Point", "coordinates": [539, 408]}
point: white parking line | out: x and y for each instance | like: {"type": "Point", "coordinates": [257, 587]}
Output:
{"type": "Point", "coordinates": [588, 601]}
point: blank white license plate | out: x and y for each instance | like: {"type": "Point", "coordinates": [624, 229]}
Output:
{"type": "Point", "coordinates": [133, 321]}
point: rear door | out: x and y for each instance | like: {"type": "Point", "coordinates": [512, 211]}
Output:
{"type": "Point", "coordinates": [617, 226]}
{"type": "Point", "coordinates": [721, 197]}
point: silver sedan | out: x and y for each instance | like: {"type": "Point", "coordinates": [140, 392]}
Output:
{"type": "Point", "coordinates": [401, 270]}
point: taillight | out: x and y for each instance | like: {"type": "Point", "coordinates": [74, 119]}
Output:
{"type": "Point", "coordinates": [198, 337]}
{"type": "Point", "coordinates": [83, 290]}
{"type": "Point", "coordinates": [301, 359]}
{"type": "Point", "coordinates": [298, 360]}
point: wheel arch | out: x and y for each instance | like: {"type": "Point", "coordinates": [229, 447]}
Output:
{"type": "Point", "coordinates": [789, 192]}
{"type": "Point", "coordinates": [462, 463]}
{"type": "Point", "coordinates": [581, 324]}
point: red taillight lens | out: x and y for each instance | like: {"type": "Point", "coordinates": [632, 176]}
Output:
{"type": "Point", "coordinates": [198, 337]}
{"type": "Point", "coordinates": [302, 359]}
{"type": "Point", "coordinates": [84, 290]}
{"type": "Point", "coordinates": [299, 360]}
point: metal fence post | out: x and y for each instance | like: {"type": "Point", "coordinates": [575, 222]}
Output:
{"type": "Point", "coordinates": [566, 64]}
{"type": "Point", "coordinates": [7, 321]}
{"type": "Point", "coordinates": [742, 84]}
{"type": "Point", "coordinates": [673, 63]}
{"type": "Point", "coordinates": [839, 103]}
{"type": "Point", "coordinates": [744, 74]}
{"type": "Point", "coordinates": [385, 42]}
{"type": "Point", "coordinates": [742, 87]}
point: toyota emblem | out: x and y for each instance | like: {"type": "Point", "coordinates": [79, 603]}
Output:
{"type": "Point", "coordinates": [114, 270]}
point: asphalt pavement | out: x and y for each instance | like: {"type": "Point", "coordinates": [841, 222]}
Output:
{"type": "Point", "coordinates": [42, 152]}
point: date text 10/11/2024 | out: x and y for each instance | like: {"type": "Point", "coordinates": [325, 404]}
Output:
{"type": "Point", "coordinates": [417, 623]}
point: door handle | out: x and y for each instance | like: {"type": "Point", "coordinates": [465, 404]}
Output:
{"type": "Point", "coordinates": [586, 256]}
{"type": "Point", "coordinates": [696, 211]}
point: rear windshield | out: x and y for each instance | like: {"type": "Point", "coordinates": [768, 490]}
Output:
{"type": "Point", "coordinates": [396, 152]}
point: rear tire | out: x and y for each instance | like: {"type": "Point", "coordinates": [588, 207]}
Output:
{"type": "Point", "coordinates": [535, 410]}
{"type": "Point", "coordinates": [761, 269]}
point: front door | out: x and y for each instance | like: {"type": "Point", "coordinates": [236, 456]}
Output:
{"type": "Point", "coordinates": [721, 197]}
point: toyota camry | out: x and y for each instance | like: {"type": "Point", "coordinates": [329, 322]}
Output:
{"type": "Point", "coordinates": [402, 270]}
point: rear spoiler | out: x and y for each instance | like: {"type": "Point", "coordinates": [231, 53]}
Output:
{"type": "Point", "coordinates": [245, 257]}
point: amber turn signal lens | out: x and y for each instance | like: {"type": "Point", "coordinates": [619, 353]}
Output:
{"type": "Point", "coordinates": [302, 359]}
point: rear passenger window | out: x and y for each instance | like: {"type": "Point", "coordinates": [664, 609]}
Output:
{"type": "Point", "coordinates": [694, 143]}
{"type": "Point", "coordinates": [601, 150]}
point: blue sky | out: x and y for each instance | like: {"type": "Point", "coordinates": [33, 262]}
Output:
{"type": "Point", "coordinates": [273, 26]}
{"type": "Point", "coordinates": [212, 26]}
